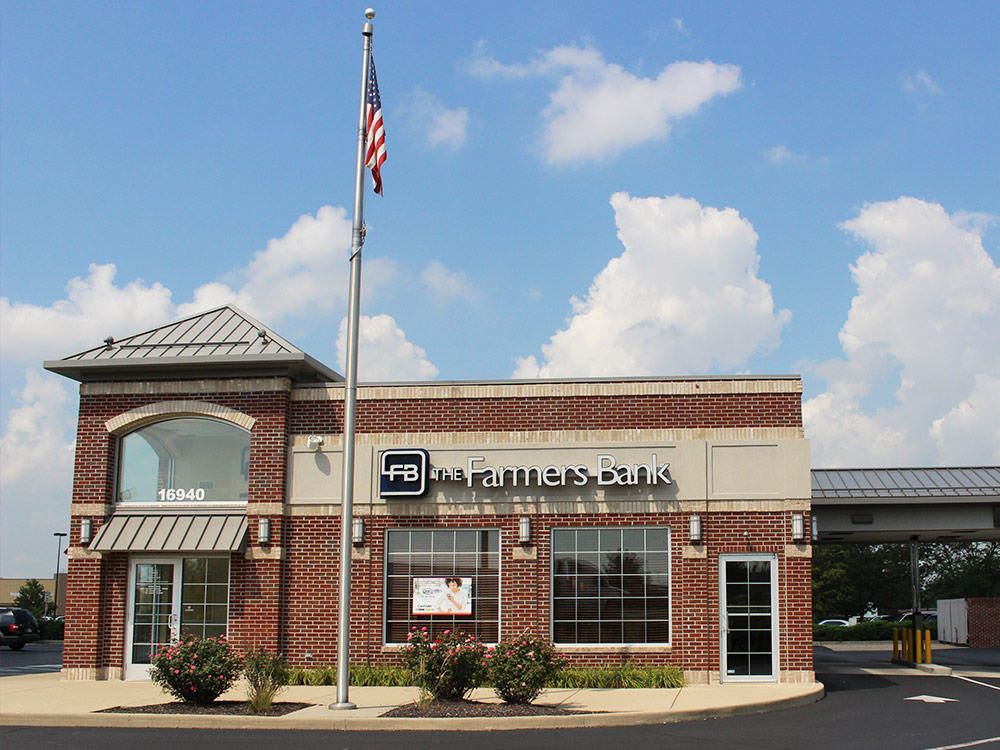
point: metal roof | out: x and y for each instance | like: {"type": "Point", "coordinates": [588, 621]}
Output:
{"type": "Point", "coordinates": [865, 484]}
{"type": "Point", "coordinates": [171, 533]}
{"type": "Point", "coordinates": [225, 338]}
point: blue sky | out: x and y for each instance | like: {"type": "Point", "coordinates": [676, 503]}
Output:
{"type": "Point", "coordinates": [571, 190]}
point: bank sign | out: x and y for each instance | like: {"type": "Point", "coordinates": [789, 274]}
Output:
{"type": "Point", "coordinates": [405, 472]}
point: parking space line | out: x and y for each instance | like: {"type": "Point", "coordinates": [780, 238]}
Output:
{"type": "Point", "coordinates": [966, 744]}
{"type": "Point", "coordinates": [976, 682]}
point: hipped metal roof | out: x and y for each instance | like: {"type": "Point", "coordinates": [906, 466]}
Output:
{"type": "Point", "coordinates": [204, 345]}
{"type": "Point", "coordinates": [874, 484]}
{"type": "Point", "coordinates": [171, 533]}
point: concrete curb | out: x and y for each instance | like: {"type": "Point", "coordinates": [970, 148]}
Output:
{"type": "Point", "coordinates": [928, 668]}
{"type": "Point", "coordinates": [337, 721]}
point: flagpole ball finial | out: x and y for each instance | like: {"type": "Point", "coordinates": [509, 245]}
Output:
{"type": "Point", "coordinates": [369, 13]}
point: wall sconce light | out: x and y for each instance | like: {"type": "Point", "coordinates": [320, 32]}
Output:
{"type": "Point", "coordinates": [524, 530]}
{"type": "Point", "coordinates": [358, 531]}
{"type": "Point", "coordinates": [314, 441]}
{"type": "Point", "coordinates": [694, 529]}
{"type": "Point", "coordinates": [86, 530]}
{"type": "Point", "coordinates": [264, 530]}
{"type": "Point", "coordinates": [798, 527]}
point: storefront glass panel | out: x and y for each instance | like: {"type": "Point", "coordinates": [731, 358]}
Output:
{"type": "Point", "coordinates": [619, 579]}
{"type": "Point", "coordinates": [440, 553]}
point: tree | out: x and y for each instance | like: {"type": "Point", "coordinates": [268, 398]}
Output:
{"type": "Point", "coordinates": [31, 596]}
{"type": "Point", "coordinates": [960, 570]}
{"type": "Point", "coordinates": [851, 579]}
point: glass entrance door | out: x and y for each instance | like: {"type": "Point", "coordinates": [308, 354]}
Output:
{"type": "Point", "coordinates": [170, 598]}
{"type": "Point", "coordinates": [749, 618]}
{"type": "Point", "coordinates": [152, 615]}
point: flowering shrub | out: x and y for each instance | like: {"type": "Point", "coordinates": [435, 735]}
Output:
{"type": "Point", "coordinates": [195, 670]}
{"type": "Point", "coordinates": [520, 667]}
{"type": "Point", "coordinates": [444, 668]}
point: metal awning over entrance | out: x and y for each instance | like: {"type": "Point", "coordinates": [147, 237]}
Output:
{"type": "Point", "coordinates": [170, 532]}
{"type": "Point", "coordinates": [870, 506]}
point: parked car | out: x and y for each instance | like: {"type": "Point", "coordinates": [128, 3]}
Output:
{"type": "Point", "coordinates": [928, 617]}
{"type": "Point", "coordinates": [836, 623]}
{"type": "Point", "coordinates": [18, 627]}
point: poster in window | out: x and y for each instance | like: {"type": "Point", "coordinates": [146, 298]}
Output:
{"type": "Point", "coordinates": [442, 596]}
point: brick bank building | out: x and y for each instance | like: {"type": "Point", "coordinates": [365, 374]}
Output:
{"type": "Point", "coordinates": [651, 520]}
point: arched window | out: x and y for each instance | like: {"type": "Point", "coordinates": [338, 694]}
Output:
{"type": "Point", "coordinates": [184, 460]}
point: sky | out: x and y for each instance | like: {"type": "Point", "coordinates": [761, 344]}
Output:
{"type": "Point", "coordinates": [572, 190]}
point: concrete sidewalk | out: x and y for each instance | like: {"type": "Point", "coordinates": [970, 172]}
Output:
{"type": "Point", "coordinates": [48, 700]}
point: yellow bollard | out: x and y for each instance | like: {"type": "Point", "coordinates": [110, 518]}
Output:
{"type": "Point", "coordinates": [895, 643]}
{"type": "Point", "coordinates": [918, 645]}
{"type": "Point", "coordinates": [928, 638]}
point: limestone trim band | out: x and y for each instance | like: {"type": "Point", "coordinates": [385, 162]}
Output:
{"type": "Point", "coordinates": [151, 412]}
{"type": "Point", "coordinates": [562, 438]}
{"type": "Point", "coordinates": [172, 387]}
{"type": "Point", "coordinates": [687, 387]}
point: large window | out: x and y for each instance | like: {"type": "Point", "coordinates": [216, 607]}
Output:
{"type": "Point", "coordinates": [184, 460]}
{"type": "Point", "coordinates": [434, 556]}
{"type": "Point", "coordinates": [611, 585]}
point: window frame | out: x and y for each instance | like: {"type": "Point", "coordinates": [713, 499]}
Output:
{"type": "Point", "coordinates": [386, 643]}
{"type": "Point", "coordinates": [185, 505]}
{"type": "Point", "coordinates": [603, 646]}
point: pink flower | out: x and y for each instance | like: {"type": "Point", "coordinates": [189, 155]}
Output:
{"type": "Point", "coordinates": [446, 632]}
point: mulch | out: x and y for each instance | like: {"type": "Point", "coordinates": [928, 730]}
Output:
{"type": "Point", "coordinates": [432, 710]}
{"type": "Point", "coordinates": [218, 708]}
{"type": "Point", "coordinates": [475, 709]}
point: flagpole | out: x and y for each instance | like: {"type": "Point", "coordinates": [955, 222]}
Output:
{"type": "Point", "coordinates": [350, 391]}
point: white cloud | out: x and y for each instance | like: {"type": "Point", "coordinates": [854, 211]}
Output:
{"type": "Point", "coordinates": [384, 354]}
{"type": "Point", "coordinates": [93, 309]}
{"type": "Point", "coordinates": [921, 82]}
{"type": "Point", "coordinates": [599, 109]}
{"type": "Point", "coordinates": [446, 286]}
{"type": "Point", "coordinates": [441, 125]}
{"type": "Point", "coordinates": [305, 270]}
{"type": "Point", "coordinates": [679, 25]}
{"type": "Point", "coordinates": [924, 322]}
{"type": "Point", "coordinates": [294, 276]}
{"type": "Point", "coordinates": [782, 155]}
{"type": "Point", "coordinates": [36, 471]}
{"type": "Point", "coordinates": [683, 297]}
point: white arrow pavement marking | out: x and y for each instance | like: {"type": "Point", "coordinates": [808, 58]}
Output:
{"type": "Point", "coordinates": [930, 699]}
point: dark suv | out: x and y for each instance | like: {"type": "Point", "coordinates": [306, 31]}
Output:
{"type": "Point", "coordinates": [17, 627]}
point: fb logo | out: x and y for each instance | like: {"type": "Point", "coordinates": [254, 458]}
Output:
{"type": "Point", "coordinates": [403, 472]}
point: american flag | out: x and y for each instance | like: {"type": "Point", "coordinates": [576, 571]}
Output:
{"type": "Point", "coordinates": [374, 132]}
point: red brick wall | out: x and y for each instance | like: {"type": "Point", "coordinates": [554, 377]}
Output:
{"type": "Point", "coordinates": [984, 623]}
{"type": "Point", "coordinates": [97, 592]}
{"type": "Point", "coordinates": [311, 582]}
{"type": "Point", "coordinates": [656, 411]}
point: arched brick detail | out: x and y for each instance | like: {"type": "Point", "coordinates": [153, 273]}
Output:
{"type": "Point", "coordinates": [151, 412]}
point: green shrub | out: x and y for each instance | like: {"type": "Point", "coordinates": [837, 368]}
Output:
{"type": "Point", "coordinates": [874, 630]}
{"type": "Point", "coordinates": [379, 675]}
{"type": "Point", "coordinates": [321, 676]}
{"type": "Point", "coordinates": [52, 630]}
{"type": "Point", "coordinates": [444, 668]}
{"type": "Point", "coordinates": [195, 670]}
{"type": "Point", "coordinates": [627, 675]}
{"type": "Point", "coordinates": [266, 676]}
{"type": "Point", "coordinates": [296, 676]}
{"type": "Point", "coordinates": [520, 667]}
